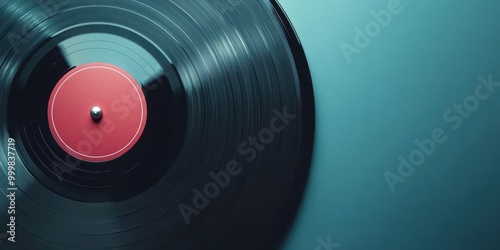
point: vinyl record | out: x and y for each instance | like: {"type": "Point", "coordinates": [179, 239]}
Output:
{"type": "Point", "coordinates": [152, 124]}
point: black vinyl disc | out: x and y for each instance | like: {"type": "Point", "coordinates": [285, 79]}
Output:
{"type": "Point", "coordinates": [224, 157]}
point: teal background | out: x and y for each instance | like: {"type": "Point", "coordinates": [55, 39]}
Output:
{"type": "Point", "coordinates": [371, 110]}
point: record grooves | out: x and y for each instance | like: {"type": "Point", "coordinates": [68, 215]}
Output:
{"type": "Point", "coordinates": [222, 157]}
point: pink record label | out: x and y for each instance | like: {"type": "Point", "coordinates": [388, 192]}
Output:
{"type": "Point", "coordinates": [97, 112]}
